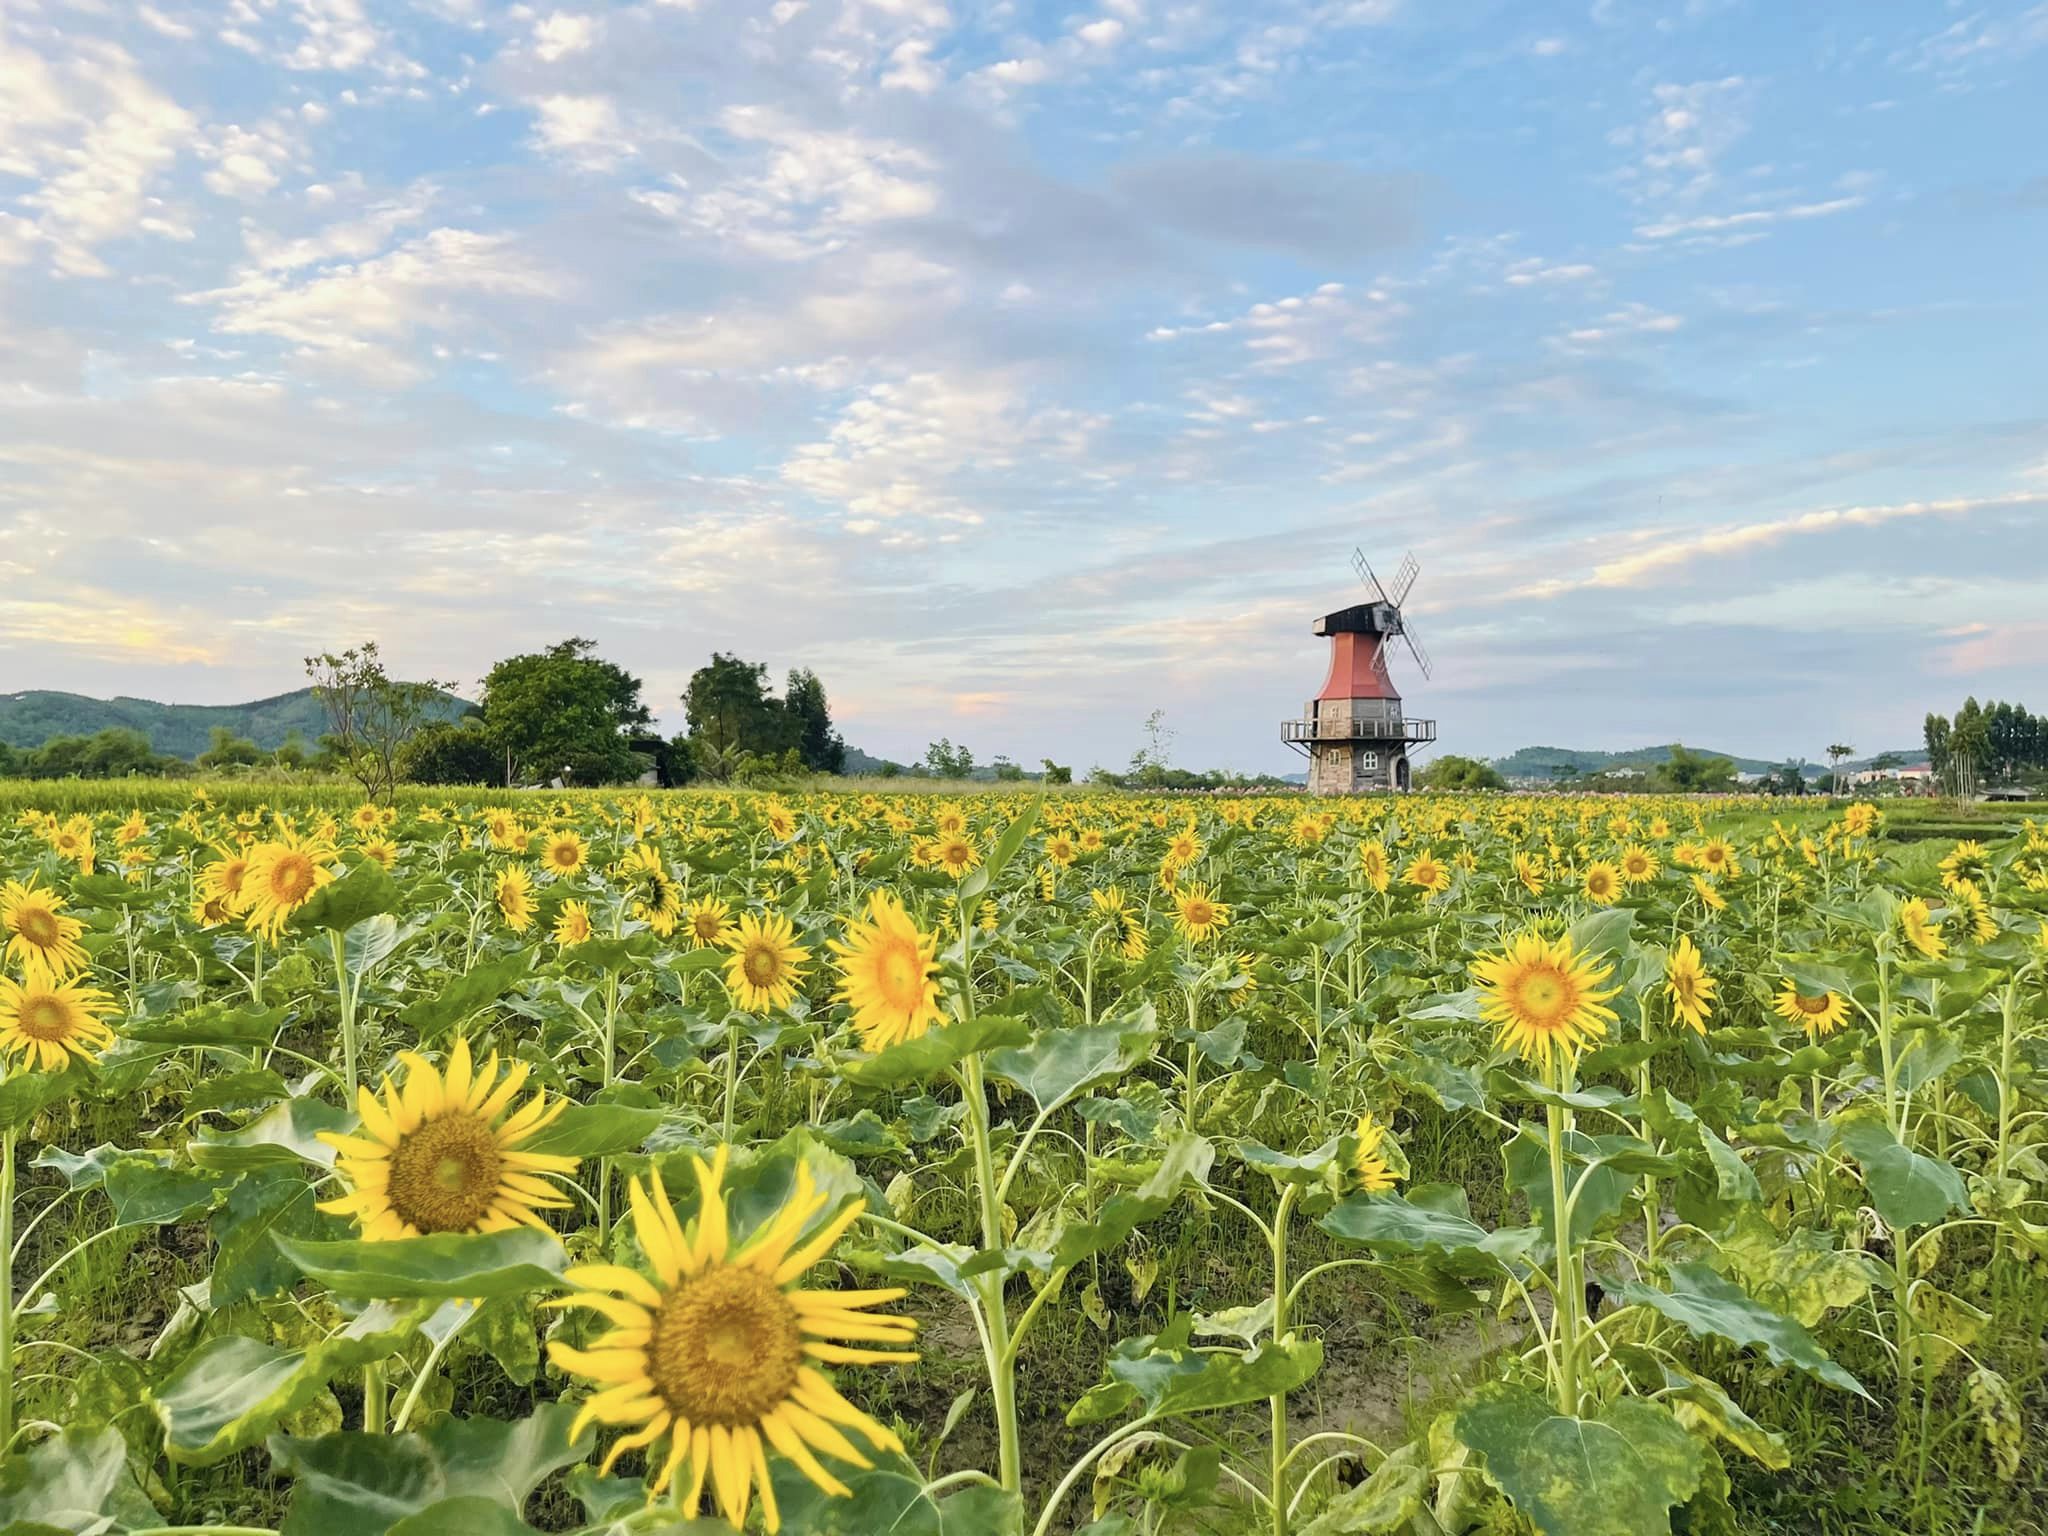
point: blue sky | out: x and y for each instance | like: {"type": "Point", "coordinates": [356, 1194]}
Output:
{"type": "Point", "coordinates": [1026, 368]}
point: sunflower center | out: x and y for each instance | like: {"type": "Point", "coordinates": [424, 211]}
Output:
{"type": "Point", "coordinates": [1685, 986]}
{"type": "Point", "coordinates": [1546, 996]}
{"type": "Point", "coordinates": [292, 878]}
{"type": "Point", "coordinates": [45, 1018]}
{"type": "Point", "coordinates": [726, 1348]}
{"type": "Point", "coordinates": [1813, 1005]}
{"type": "Point", "coordinates": [1199, 913]}
{"type": "Point", "coordinates": [763, 966]}
{"type": "Point", "coordinates": [38, 925]}
{"type": "Point", "coordinates": [446, 1173]}
{"type": "Point", "coordinates": [899, 974]}
{"type": "Point", "coordinates": [705, 926]}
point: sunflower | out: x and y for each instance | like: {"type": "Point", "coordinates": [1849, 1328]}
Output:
{"type": "Point", "coordinates": [1970, 904]}
{"type": "Point", "coordinates": [133, 830]}
{"type": "Point", "coordinates": [381, 850]}
{"type": "Point", "coordinates": [1717, 857]}
{"type": "Point", "coordinates": [1817, 1014]}
{"type": "Point", "coordinates": [1529, 870]}
{"type": "Point", "coordinates": [710, 923]}
{"type": "Point", "coordinates": [950, 822]}
{"type": "Point", "coordinates": [366, 818]}
{"type": "Point", "coordinates": [280, 878]}
{"type": "Point", "coordinates": [1690, 988]}
{"type": "Point", "coordinates": [1375, 1177]}
{"type": "Point", "coordinates": [572, 924]}
{"type": "Point", "coordinates": [657, 899]}
{"type": "Point", "coordinates": [1184, 847]}
{"type": "Point", "coordinates": [514, 894]}
{"type": "Point", "coordinates": [1061, 849]}
{"type": "Point", "coordinates": [1428, 874]}
{"type": "Point", "coordinates": [766, 962]}
{"type": "Point", "coordinates": [1372, 858]}
{"type": "Point", "coordinates": [720, 1351]}
{"type": "Point", "coordinates": [46, 1022]}
{"type": "Point", "coordinates": [1638, 864]}
{"type": "Point", "coordinates": [888, 974]}
{"type": "Point", "coordinates": [1922, 929]}
{"type": "Point", "coordinates": [443, 1155]}
{"type": "Point", "coordinates": [1544, 996]}
{"type": "Point", "coordinates": [563, 853]}
{"type": "Point", "coordinates": [1709, 897]}
{"type": "Point", "coordinates": [781, 822]}
{"type": "Point", "coordinates": [1091, 839]}
{"type": "Point", "coordinates": [40, 938]}
{"type": "Point", "coordinates": [1602, 883]}
{"type": "Point", "coordinates": [1126, 927]}
{"type": "Point", "coordinates": [1198, 914]}
{"type": "Point", "coordinates": [955, 854]}
{"type": "Point", "coordinates": [73, 841]}
{"type": "Point", "coordinates": [1860, 819]}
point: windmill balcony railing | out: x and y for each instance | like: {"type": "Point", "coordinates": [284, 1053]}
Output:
{"type": "Point", "coordinates": [1357, 730]}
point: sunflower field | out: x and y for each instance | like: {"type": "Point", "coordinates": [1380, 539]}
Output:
{"type": "Point", "coordinates": [1011, 1164]}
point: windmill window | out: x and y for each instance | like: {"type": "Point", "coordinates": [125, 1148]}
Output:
{"type": "Point", "coordinates": [1368, 759]}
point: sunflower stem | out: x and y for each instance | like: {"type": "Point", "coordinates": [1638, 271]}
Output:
{"type": "Point", "coordinates": [7, 1286]}
{"type": "Point", "coordinates": [1276, 1486]}
{"type": "Point", "coordinates": [347, 1003]}
{"type": "Point", "coordinates": [1570, 1297]}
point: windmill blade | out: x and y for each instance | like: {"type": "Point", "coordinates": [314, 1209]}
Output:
{"type": "Point", "coordinates": [1404, 578]}
{"type": "Point", "coordinates": [1379, 665]}
{"type": "Point", "coordinates": [1365, 575]}
{"type": "Point", "coordinates": [1415, 647]}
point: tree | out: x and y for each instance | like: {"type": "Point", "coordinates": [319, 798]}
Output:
{"type": "Point", "coordinates": [1150, 762]}
{"type": "Point", "coordinates": [564, 709]}
{"type": "Point", "coordinates": [733, 716]}
{"type": "Point", "coordinates": [1936, 734]}
{"type": "Point", "coordinates": [370, 715]}
{"type": "Point", "coordinates": [822, 749]}
{"type": "Point", "coordinates": [227, 750]}
{"type": "Point", "coordinates": [1694, 773]}
{"type": "Point", "coordinates": [1885, 762]}
{"type": "Point", "coordinates": [944, 760]}
{"type": "Point", "coordinates": [449, 753]}
{"type": "Point", "coordinates": [1055, 774]}
{"type": "Point", "coordinates": [1452, 772]}
{"type": "Point", "coordinates": [1836, 752]}
{"type": "Point", "coordinates": [1007, 772]}
{"type": "Point", "coordinates": [1788, 779]}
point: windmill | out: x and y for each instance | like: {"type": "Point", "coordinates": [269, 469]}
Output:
{"type": "Point", "coordinates": [1354, 732]}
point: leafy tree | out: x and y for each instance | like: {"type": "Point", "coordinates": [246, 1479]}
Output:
{"type": "Point", "coordinates": [1789, 778]}
{"type": "Point", "coordinates": [733, 716]}
{"type": "Point", "coordinates": [1006, 771]}
{"type": "Point", "coordinates": [810, 717]}
{"type": "Point", "coordinates": [1836, 752]}
{"type": "Point", "coordinates": [1885, 762]}
{"type": "Point", "coordinates": [1452, 772]}
{"type": "Point", "coordinates": [944, 760]}
{"type": "Point", "coordinates": [227, 750]}
{"type": "Point", "coordinates": [447, 753]}
{"type": "Point", "coordinates": [10, 761]}
{"type": "Point", "coordinates": [1695, 773]}
{"type": "Point", "coordinates": [1936, 734]}
{"type": "Point", "coordinates": [1056, 774]}
{"type": "Point", "coordinates": [370, 714]}
{"type": "Point", "coordinates": [564, 708]}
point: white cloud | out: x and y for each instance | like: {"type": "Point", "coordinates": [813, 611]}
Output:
{"type": "Point", "coordinates": [353, 314]}
{"type": "Point", "coordinates": [583, 127]}
{"type": "Point", "coordinates": [1102, 33]}
{"type": "Point", "coordinates": [96, 137]}
{"type": "Point", "coordinates": [1748, 220]}
{"type": "Point", "coordinates": [560, 34]}
{"type": "Point", "coordinates": [911, 68]}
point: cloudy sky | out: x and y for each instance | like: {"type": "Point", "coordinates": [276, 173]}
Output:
{"type": "Point", "coordinates": [1023, 368]}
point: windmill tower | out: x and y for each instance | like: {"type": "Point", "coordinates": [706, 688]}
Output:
{"type": "Point", "coordinates": [1354, 733]}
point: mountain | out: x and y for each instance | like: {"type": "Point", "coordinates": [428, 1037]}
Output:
{"type": "Point", "coordinates": [182, 730]}
{"type": "Point", "coordinates": [1542, 763]}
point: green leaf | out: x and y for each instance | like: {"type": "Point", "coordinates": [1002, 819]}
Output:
{"type": "Point", "coordinates": [231, 1392]}
{"type": "Point", "coordinates": [75, 1482]}
{"type": "Point", "coordinates": [364, 891]}
{"type": "Point", "coordinates": [930, 1054]}
{"type": "Point", "coordinates": [1618, 1474]}
{"type": "Point", "coordinates": [465, 996]}
{"type": "Point", "coordinates": [288, 1133]}
{"type": "Point", "coordinates": [1909, 1190]}
{"type": "Point", "coordinates": [1188, 1157]}
{"type": "Point", "coordinates": [208, 1024]}
{"type": "Point", "coordinates": [369, 943]}
{"type": "Point", "coordinates": [84, 1170]}
{"type": "Point", "coordinates": [1391, 1223]}
{"type": "Point", "coordinates": [24, 1095]}
{"type": "Point", "coordinates": [978, 882]}
{"type": "Point", "coordinates": [1709, 1306]}
{"type": "Point", "coordinates": [881, 1502]}
{"type": "Point", "coordinates": [594, 1130]}
{"type": "Point", "coordinates": [1604, 934]}
{"type": "Point", "coordinates": [445, 1266]}
{"type": "Point", "coordinates": [982, 1511]}
{"type": "Point", "coordinates": [1056, 1064]}
{"type": "Point", "coordinates": [246, 1263]}
{"type": "Point", "coordinates": [1175, 1379]}
{"type": "Point", "coordinates": [1528, 1169]}
{"type": "Point", "coordinates": [353, 1484]}
{"type": "Point", "coordinates": [1700, 1404]}
{"type": "Point", "coordinates": [1383, 1503]}
{"type": "Point", "coordinates": [146, 1193]}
